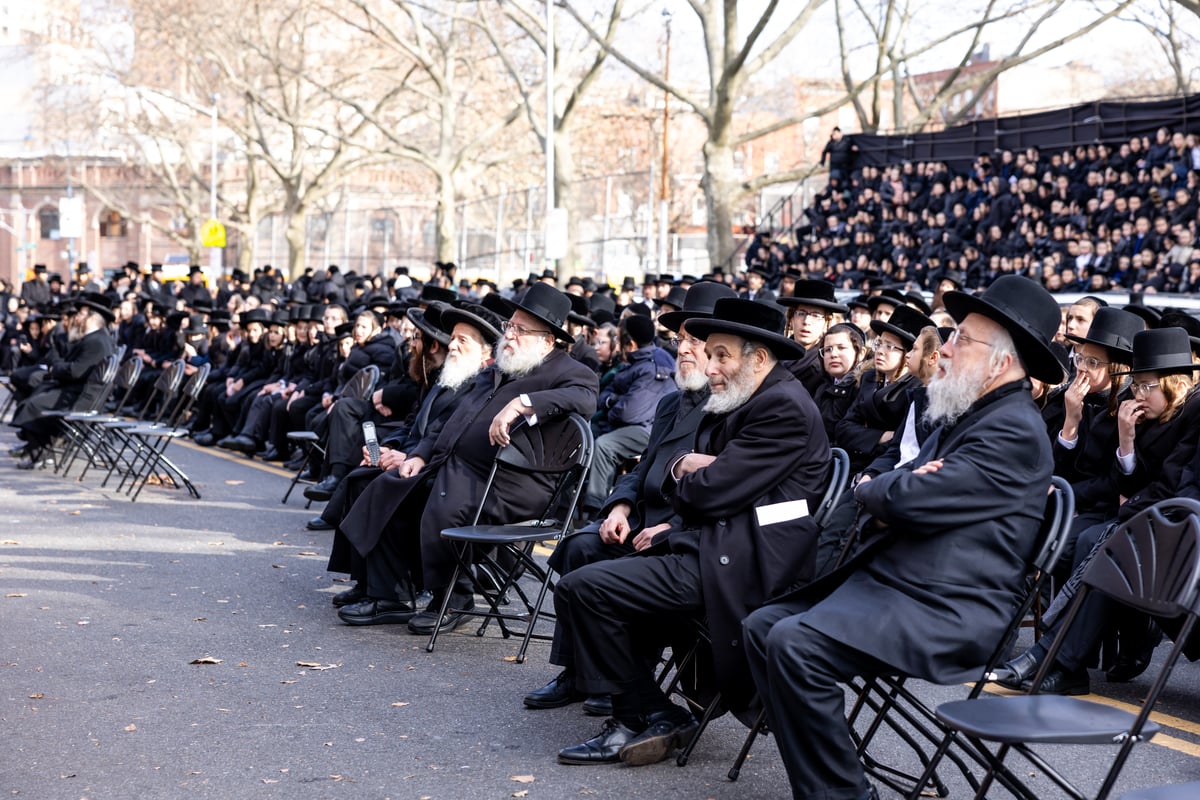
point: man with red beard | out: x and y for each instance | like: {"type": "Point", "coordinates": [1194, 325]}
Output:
{"type": "Point", "coordinates": [406, 509]}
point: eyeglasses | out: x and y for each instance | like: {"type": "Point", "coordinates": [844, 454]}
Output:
{"type": "Point", "coordinates": [801, 314]}
{"type": "Point", "coordinates": [1143, 388]}
{"type": "Point", "coordinates": [957, 336]}
{"type": "Point", "coordinates": [1087, 362]}
{"type": "Point", "coordinates": [879, 345]}
{"type": "Point", "coordinates": [519, 330]}
{"type": "Point", "coordinates": [690, 341]}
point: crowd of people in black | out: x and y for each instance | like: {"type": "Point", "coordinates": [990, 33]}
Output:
{"type": "Point", "coordinates": [714, 403]}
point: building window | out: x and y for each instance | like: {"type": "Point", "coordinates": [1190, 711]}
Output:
{"type": "Point", "coordinates": [48, 222]}
{"type": "Point", "coordinates": [113, 225]}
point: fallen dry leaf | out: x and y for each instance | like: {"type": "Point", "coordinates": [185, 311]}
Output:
{"type": "Point", "coordinates": [234, 483]}
{"type": "Point", "coordinates": [399, 705]}
{"type": "Point", "coordinates": [130, 728]}
{"type": "Point", "coordinates": [37, 696]}
{"type": "Point", "coordinates": [10, 541]}
{"type": "Point", "coordinates": [510, 659]}
{"type": "Point", "coordinates": [522, 793]}
{"type": "Point", "coordinates": [243, 664]}
{"type": "Point", "coordinates": [76, 513]}
{"type": "Point", "coordinates": [278, 566]}
{"type": "Point", "coordinates": [270, 780]}
{"type": "Point", "coordinates": [306, 553]}
{"type": "Point", "coordinates": [521, 778]}
{"type": "Point", "coordinates": [205, 660]}
{"type": "Point", "coordinates": [215, 544]}
{"type": "Point", "coordinates": [17, 594]}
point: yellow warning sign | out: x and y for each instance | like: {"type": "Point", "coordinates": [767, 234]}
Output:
{"type": "Point", "coordinates": [212, 234]}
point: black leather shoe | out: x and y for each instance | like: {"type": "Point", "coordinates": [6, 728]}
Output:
{"type": "Point", "coordinates": [19, 452]}
{"type": "Point", "coordinates": [271, 454]}
{"type": "Point", "coordinates": [376, 612]}
{"type": "Point", "coordinates": [204, 439]}
{"type": "Point", "coordinates": [1019, 670]}
{"type": "Point", "coordinates": [225, 442]}
{"type": "Point", "coordinates": [323, 490]}
{"type": "Point", "coordinates": [604, 748]}
{"type": "Point", "coordinates": [1059, 681]}
{"type": "Point", "coordinates": [354, 594]}
{"type": "Point", "coordinates": [667, 731]}
{"type": "Point", "coordinates": [424, 623]}
{"type": "Point", "coordinates": [242, 444]}
{"type": "Point", "coordinates": [307, 475]}
{"type": "Point", "coordinates": [555, 694]}
{"type": "Point", "coordinates": [1126, 669]}
{"type": "Point", "coordinates": [294, 463]}
{"type": "Point", "coordinates": [318, 524]}
{"type": "Point", "coordinates": [598, 706]}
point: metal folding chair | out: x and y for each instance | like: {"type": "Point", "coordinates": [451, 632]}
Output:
{"type": "Point", "coordinates": [153, 439]}
{"type": "Point", "coordinates": [1150, 563]}
{"type": "Point", "coordinates": [559, 450]}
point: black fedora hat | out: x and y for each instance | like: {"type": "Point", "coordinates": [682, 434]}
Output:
{"type": "Point", "coordinates": [891, 297]}
{"type": "Point", "coordinates": [674, 297]}
{"type": "Point", "coordinates": [1152, 316]}
{"type": "Point", "coordinates": [260, 315]}
{"type": "Point", "coordinates": [698, 301]}
{"type": "Point", "coordinates": [1113, 329]}
{"type": "Point", "coordinates": [917, 301]}
{"type": "Point", "coordinates": [906, 324]}
{"type": "Point", "coordinates": [549, 305]}
{"type": "Point", "coordinates": [100, 303]}
{"type": "Point", "coordinates": [430, 293]}
{"type": "Point", "coordinates": [859, 301]}
{"type": "Point", "coordinates": [579, 311]}
{"type": "Point", "coordinates": [1027, 311]}
{"type": "Point", "coordinates": [816, 293]}
{"type": "Point", "coordinates": [756, 322]}
{"type": "Point", "coordinates": [344, 331]}
{"type": "Point", "coordinates": [429, 321]}
{"type": "Point", "coordinates": [488, 323]}
{"type": "Point", "coordinates": [496, 304]}
{"type": "Point", "coordinates": [1167, 351]}
{"type": "Point", "coordinates": [281, 318]}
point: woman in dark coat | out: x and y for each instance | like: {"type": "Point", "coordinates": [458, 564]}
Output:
{"type": "Point", "coordinates": [883, 399]}
{"type": "Point", "coordinates": [842, 350]}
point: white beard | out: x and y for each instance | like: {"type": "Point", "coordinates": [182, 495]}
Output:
{"type": "Point", "coordinates": [737, 391]}
{"type": "Point", "coordinates": [952, 395]}
{"type": "Point", "coordinates": [693, 382]}
{"type": "Point", "coordinates": [518, 363]}
{"type": "Point", "coordinates": [456, 371]}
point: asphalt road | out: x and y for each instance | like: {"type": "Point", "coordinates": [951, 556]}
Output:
{"type": "Point", "coordinates": [105, 604]}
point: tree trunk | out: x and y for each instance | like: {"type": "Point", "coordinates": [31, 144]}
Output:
{"type": "Point", "coordinates": [294, 234]}
{"type": "Point", "coordinates": [445, 227]}
{"type": "Point", "coordinates": [565, 198]}
{"type": "Point", "coordinates": [721, 195]}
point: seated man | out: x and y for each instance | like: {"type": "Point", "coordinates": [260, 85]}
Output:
{"type": "Point", "coordinates": [932, 594]}
{"type": "Point", "coordinates": [71, 381]}
{"type": "Point", "coordinates": [637, 507]}
{"type": "Point", "coordinates": [533, 377]}
{"type": "Point", "coordinates": [760, 459]}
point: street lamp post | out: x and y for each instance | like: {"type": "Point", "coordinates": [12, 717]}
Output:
{"type": "Point", "coordinates": [664, 191]}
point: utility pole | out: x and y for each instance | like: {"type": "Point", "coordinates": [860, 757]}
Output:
{"type": "Point", "coordinates": [664, 191]}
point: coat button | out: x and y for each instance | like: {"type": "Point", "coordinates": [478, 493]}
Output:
{"type": "Point", "coordinates": [443, 494]}
{"type": "Point", "coordinates": [734, 643]}
{"type": "Point", "coordinates": [721, 522]}
{"type": "Point", "coordinates": [724, 560]}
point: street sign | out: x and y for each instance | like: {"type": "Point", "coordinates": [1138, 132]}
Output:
{"type": "Point", "coordinates": [70, 217]}
{"type": "Point", "coordinates": [212, 234]}
{"type": "Point", "coordinates": [556, 234]}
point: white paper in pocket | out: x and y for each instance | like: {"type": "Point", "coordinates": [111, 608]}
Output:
{"type": "Point", "coordinates": [786, 511]}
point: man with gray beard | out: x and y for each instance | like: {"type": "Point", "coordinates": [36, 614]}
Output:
{"type": "Point", "coordinates": [930, 592]}
{"type": "Point", "coordinates": [638, 508]}
{"type": "Point", "coordinates": [742, 491]}
{"type": "Point", "coordinates": [396, 525]}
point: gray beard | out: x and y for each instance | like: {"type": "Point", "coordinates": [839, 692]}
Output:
{"type": "Point", "coordinates": [737, 392]}
{"type": "Point", "coordinates": [951, 396]}
{"type": "Point", "coordinates": [517, 364]}
{"type": "Point", "coordinates": [456, 373]}
{"type": "Point", "coordinates": [694, 382]}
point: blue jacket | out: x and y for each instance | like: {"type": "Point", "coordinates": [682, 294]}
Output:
{"type": "Point", "coordinates": [633, 395]}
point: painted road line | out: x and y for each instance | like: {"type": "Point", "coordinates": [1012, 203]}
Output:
{"type": "Point", "coordinates": [237, 459]}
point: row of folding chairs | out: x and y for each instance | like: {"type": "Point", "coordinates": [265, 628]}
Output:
{"type": "Point", "coordinates": [134, 450]}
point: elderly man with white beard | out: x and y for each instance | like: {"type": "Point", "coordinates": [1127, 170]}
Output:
{"type": "Point", "coordinates": [931, 590]}
{"type": "Point", "coordinates": [396, 525]}
{"type": "Point", "coordinates": [741, 492]}
{"type": "Point", "coordinates": [638, 508]}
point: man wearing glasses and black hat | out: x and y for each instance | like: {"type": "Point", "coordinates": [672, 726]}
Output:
{"type": "Point", "coordinates": [931, 593]}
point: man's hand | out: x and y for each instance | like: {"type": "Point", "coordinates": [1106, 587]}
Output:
{"type": "Point", "coordinates": [929, 467]}
{"type": "Point", "coordinates": [295, 396]}
{"type": "Point", "coordinates": [646, 537]}
{"type": "Point", "coordinates": [377, 401]}
{"type": "Point", "coordinates": [326, 401]}
{"type": "Point", "coordinates": [1073, 404]}
{"type": "Point", "coordinates": [411, 466]}
{"type": "Point", "coordinates": [1128, 416]}
{"type": "Point", "coordinates": [615, 526]}
{"type": "Point", "coordinates": [390, 459]}
{"type": "Point", "coordinates": [514, 410]}
{"type": "Point", "coordinates": [692, 462]}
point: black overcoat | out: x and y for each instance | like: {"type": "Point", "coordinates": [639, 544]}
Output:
{"type": "Point", "coordinates": [73, 383]}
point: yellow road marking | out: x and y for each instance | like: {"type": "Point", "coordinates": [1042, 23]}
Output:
{"type": "Point", "coordinates": [237, 459]}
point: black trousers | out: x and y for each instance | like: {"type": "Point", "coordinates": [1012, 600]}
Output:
{"type": "Point", "coordinates": [578, 550]}
{"type": "Point", "coordinates": [619, 612]}
{"type": "Point", "coordinates": [393, 567]}
{"type": "Point", "coordinates": [345, 438]}
{"type": "Point", "coordinates": [798, 671]}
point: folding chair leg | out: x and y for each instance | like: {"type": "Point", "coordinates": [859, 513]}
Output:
{"type": "Point", "coordinates": [744, 753]}
{"type": "Point", "coordinates": [710, 711]}
{"type": "Point", "coordinates": [534, 615]}
{"type": "Point", "coordinates": [442, 609]}
{"type": "Point", "coordinates": [296, 478]}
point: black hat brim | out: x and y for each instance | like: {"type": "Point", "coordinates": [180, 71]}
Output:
{"type": "Point", "coordinates": [879, 327]}
{"type": "Point", "coordinates": [559, 333]}
{"type": "Point", "coordinates": [453, 316]}
{"type": "Point", "coordinates": [417, 317]}
{"type": "Point", "coordinates": [783, 347]}
{"type": "Point", "coordinates": [1038, 357]}
{"type": "Point", "coordinates": [107, 313]}
{"type": "Point", "coordinates": [673, 320]}
{"type": "Point", "coordinates": [1119, 353]}
{"type": "Point", "coordinates": [836, 308]}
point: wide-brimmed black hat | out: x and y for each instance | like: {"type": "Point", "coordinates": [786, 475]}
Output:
{"type": "Point", "coordinates": [579, 311]}
{"type": "Point", "coordinates": [917, 301]}
{"type": "Point", "coordinates": [1167, 351]}
{"type": "Point", "coordinates": [1152, 316]}
{"type": "Point", "coordinates": [756, 322]}
{"type": "Point", "coordinates": [549, 305]}
{"type": "Point", "coordinates": [429, 321]}
{"type": "Point", "coordinates": [816, 293]}
{"type": "Point", "coordinates": [906, 324]}
{"type": "Point", "coordinates": [698, 301]}
{"type": "Point", "coordinates": [760, 268]}
{"type": "Point", "coordinates": [259, 314]}
{"type": "Point", "coordinates": [859, 301]}
{"type": "Point", "coordinates": [344, 331]}
{"type": "Point", "coordinates": [430, 293]}
{"type": "Point", "coordinates": [281, 317]}
{"type": "Point", "coordinates": [488, 323]}
{"type": "Point", "coordinates": [97, 302]}
{"type": "Point", "coordinates": [1113, 329]}
{"type": "Point", "coordinates": [1027, 311]}
{"type": "Point", "coordinates": [674, 297]}
{"type": "Point", "coordinates": [891, 297]}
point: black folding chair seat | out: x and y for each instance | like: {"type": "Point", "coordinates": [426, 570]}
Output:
{"type": "Point", "coordinates": [1042, 719]}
